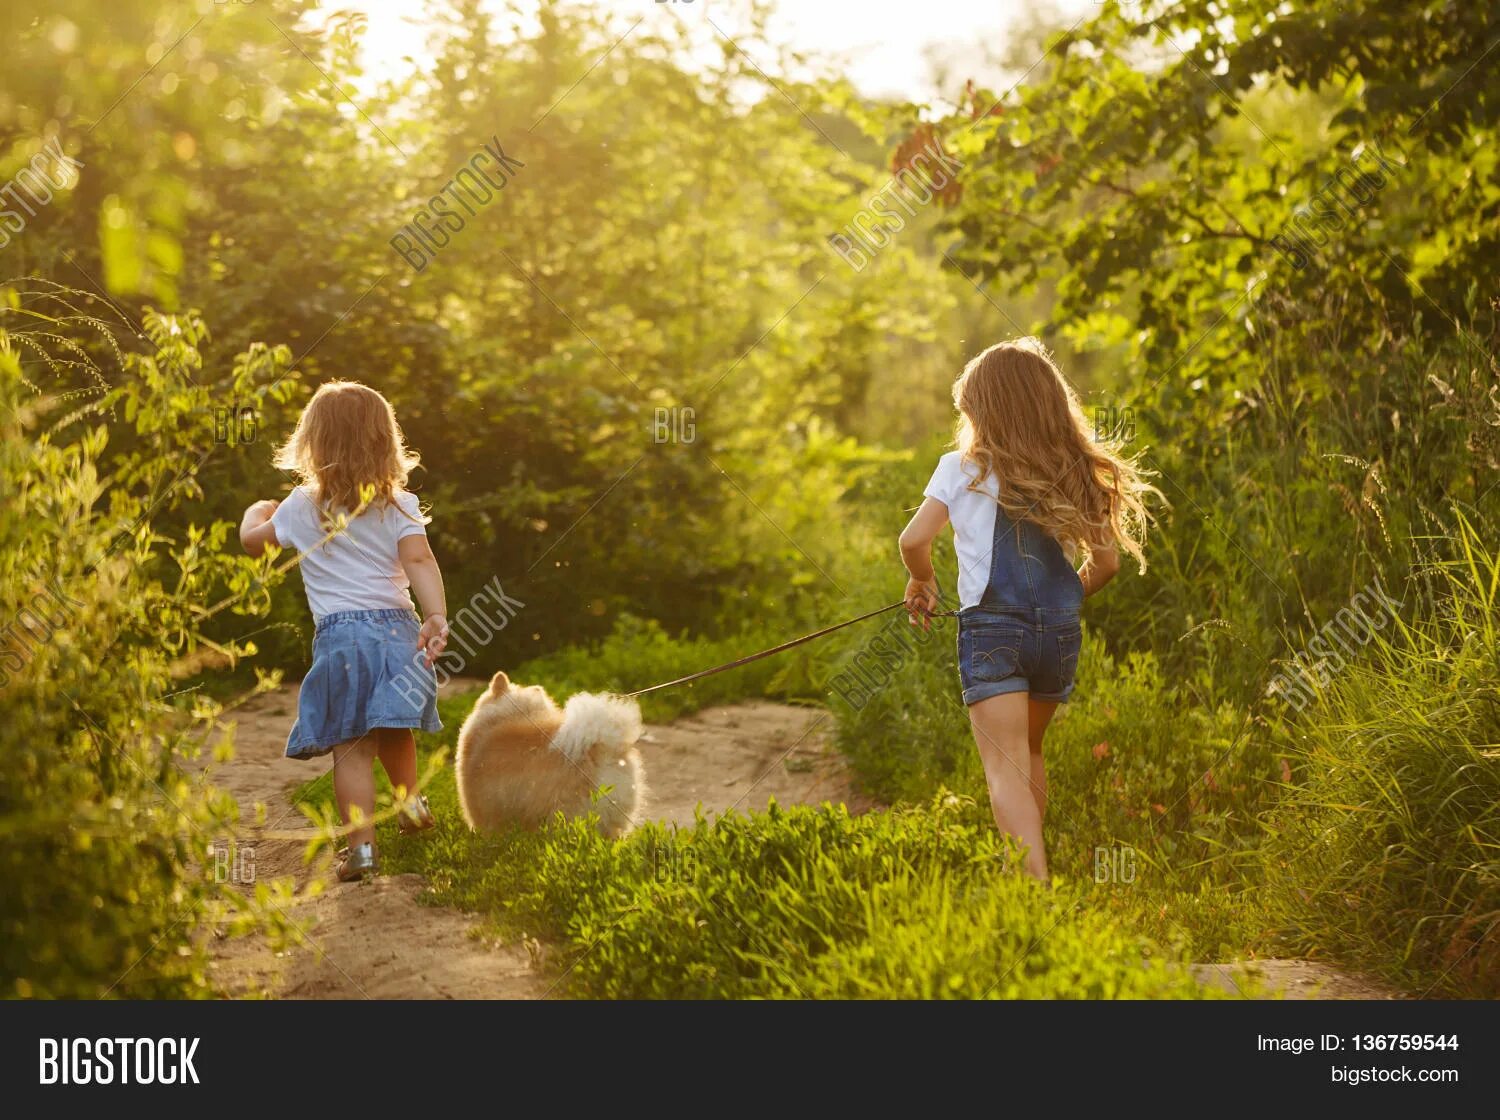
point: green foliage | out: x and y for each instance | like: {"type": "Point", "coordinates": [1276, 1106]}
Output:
{"type": "Point", "coordinates": [108, 832]}
{"type": "Point", "coordinates": [1309, 364]}
{"type": "Point", "coordinates": [663, 247]}
{"type": "Point", "coordinates": [1135, 760]}
{"type": "Point", "coordinates": [163, 104]}
{"type": "Point", "coordinates": [1142, 780]}
{"type": "Point", "coordinates": [1388, 852]}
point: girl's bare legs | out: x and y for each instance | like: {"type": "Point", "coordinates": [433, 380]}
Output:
{"type": "Point", "coordinates": [1039, 715]}
{"type": "Point", "coordinates": [1002, 734]}
{"type": "Point", "coordinates": [354, 785]}
{"type": "Point", "coordinates": [398, 754]}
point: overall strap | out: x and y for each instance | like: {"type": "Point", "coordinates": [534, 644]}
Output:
{"type": "Point", "coordinates": [1028, 569]}
{"type": "Point", "coordinates": [1007, 585]}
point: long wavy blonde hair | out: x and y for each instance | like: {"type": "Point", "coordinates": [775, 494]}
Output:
{"type": "Point", "coordinates": [347, 439]}
{"type": "Point", "coordinates": [1020, 421]}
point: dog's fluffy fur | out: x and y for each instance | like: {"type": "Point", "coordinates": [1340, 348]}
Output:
{"type": "Point", "coordinates": [521, 759]}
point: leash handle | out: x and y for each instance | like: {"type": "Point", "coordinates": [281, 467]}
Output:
{"type": "Point", "coordinates": [781, 648]}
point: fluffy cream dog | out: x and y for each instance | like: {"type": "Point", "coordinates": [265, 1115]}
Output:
{"type": "Point", "coordinates": [521, 758]}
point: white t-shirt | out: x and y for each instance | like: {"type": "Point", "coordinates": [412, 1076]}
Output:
{"type": "Point", "coordinates": [358, 568]}
{"type": "Point", "coordinates": [972, 513]}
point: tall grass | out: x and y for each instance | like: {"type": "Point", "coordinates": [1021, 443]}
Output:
{"type": "Point", "coordinates": [1388, 853]}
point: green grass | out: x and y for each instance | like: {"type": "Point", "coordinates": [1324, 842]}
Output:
{"type": "Point", "coordinates": [799, 903]}
{"type": "Point", "coordinates": [1387, 855]}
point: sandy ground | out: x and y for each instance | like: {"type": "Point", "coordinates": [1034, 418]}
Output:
{"type": "Point", "coordinates": [377, 941]}
{"type": "Point", "coordinates": [1291, 979]}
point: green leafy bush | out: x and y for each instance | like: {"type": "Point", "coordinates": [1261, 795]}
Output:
{"type": "Point", "coordinates": [109, 838]}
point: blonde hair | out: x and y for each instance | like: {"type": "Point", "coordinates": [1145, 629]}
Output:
{"type": "Point", "coordinates": [347, 439]}
{"type": "Point", "coordinates": [1021, 421]}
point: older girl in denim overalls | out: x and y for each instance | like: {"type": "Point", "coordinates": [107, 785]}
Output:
{"type": "Point", "coordinates": [1028, 486]}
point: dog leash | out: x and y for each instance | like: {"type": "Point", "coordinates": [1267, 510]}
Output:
{"type": "Point", "coordinates": [784, 646]}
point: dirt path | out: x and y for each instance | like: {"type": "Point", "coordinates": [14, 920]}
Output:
{"type": "Point", "coordinates": [378, 941]}
{"type": "Point", "coordinates": [1293, 979]}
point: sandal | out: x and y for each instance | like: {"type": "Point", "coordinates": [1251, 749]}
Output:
{"type": "Point", "coordinates": [357, 863]}
{"type": "Point", "coordinates": [415, 815]}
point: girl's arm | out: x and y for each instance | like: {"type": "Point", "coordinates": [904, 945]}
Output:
{"type": "Point", "coordinates": [1099, 569]}
{"type": "Point", "coordinates": [256, 530]}
{"type": "Point", "coordinates": [421, 568]}
{"type": "Point", "coordinates": [916, 554]}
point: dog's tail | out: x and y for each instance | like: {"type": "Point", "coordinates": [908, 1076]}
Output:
{"type": "Point", "coordinates": [589, 718]}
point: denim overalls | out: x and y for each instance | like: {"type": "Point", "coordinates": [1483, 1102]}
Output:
{"type": "Point", "coordinates": [1023, 634]}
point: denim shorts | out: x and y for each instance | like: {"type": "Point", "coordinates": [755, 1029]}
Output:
{"type": "Point", "coordinates": [367, 672]}
{"type": "Point", "coordinates": [1018, 650]}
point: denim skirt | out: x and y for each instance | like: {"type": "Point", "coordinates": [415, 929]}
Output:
{"type": "Point", "coordinates": [367, 672]}
{"type": "Point", "coordinates": [1018, 650]}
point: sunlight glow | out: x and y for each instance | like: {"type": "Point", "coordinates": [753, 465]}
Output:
{"type": "Point", "coordinates": [885, 47]}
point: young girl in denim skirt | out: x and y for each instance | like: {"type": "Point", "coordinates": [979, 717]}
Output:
{"type": "Point", "coordinates": [371, 681]}
{"type": "Point", "coordinates": [1028, 489]}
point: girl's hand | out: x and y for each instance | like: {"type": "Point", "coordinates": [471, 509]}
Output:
{"type": "Point", "coordinates": [921, 601]}
{"type": "Point", "coordinates": [433, 637]}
